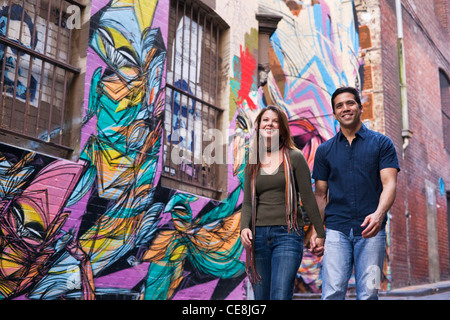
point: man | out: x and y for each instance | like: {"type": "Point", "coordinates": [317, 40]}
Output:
{"type": "Point", "coordinates": [358, 169]}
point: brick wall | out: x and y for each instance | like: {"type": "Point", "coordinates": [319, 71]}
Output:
{"type": "Point", "coordinates": [442, 10]}
{"type": "Point", "coordinates": [426, 50]}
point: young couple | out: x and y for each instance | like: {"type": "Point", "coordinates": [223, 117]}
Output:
{"type": "Point", "coordinates": [355, 176]}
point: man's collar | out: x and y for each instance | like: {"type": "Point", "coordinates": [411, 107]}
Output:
{"type": "Point", "coordinates": [362, 132]}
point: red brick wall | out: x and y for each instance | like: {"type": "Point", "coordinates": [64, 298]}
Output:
{"type": "Point", "coordinates": [426, 45]}
{"type": "Point", "coordinates": [441, 7]}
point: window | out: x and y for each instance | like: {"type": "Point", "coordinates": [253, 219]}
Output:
{"type": "Point", "coordinates": [192, 96]}
{"type": "Point", "coordinates": [38, 72]}
{"type": "Point", "coordinates": [445, 104]}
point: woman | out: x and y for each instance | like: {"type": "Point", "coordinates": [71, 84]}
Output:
{"type": "Point", "coordinates": [271, 220]}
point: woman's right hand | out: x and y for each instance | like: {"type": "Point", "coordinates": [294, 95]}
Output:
{"type": "Point", "coordinates": [246, 238]}
{"type": "Point", "coordinates": [316, 245]}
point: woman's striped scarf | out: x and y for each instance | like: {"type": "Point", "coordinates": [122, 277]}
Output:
{"type": "Point", "coordinates": [291, 213]}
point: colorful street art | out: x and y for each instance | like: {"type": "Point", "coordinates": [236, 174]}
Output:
{"type": "Point", "coordinates": [129, 237]}
{"type": "Point", "coordinates": [34, 193]}
{"type": "Point", "coordinates": [104, 227]}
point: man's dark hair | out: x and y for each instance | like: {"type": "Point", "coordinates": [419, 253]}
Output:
{"type": "Point", "coordinates": [351, 90]}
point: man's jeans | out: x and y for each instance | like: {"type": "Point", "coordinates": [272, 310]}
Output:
{"type": "Point", "coordinates": [341, 254]}
{"type": "Point", "coordinates": [278, 254]}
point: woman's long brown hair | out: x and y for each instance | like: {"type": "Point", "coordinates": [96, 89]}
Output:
{"type": "Point", "coordinates": [284, 135]}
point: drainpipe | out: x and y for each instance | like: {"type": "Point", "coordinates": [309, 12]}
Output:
{"type": "Point", "coordinates": [406, 132]}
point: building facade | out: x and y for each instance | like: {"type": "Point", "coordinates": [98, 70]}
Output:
{"type": "Point", "coordinates": [419, 225]}
{"type": "Point", "coordinates": [125, 128]}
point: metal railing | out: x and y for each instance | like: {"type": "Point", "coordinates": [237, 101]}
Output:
{"type": "Point", "coordinates": [191, 95]}
{"type": "Point", "coordinates": [35, 70]}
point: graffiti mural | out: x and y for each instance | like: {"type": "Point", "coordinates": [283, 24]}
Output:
{"type": "Point", "coordinates": [107, 235]}
{"type": "Point", "coordinates": [33, 192]}
{"type": "Point", "coordinates": [104, 227]}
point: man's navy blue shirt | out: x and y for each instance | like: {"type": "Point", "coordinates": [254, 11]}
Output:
{"type": "Point", "coordinates": [353, 176]}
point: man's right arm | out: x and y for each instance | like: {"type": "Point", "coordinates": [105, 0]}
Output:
{"type": "Point", "coordinates": [321, 194]}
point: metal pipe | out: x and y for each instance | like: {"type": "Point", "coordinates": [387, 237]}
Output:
{"type": "Point", "coordinates": [406, 132]}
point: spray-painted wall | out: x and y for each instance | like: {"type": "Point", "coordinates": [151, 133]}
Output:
{"type": "Point", "coordinates": [105, 227]}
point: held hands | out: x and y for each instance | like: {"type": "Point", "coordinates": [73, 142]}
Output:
{"type": "Point", "coordinates": [316, 245]}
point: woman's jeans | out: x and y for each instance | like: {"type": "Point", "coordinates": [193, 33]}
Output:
{"type": "Point", "coordinates": [342, 253]}
{"type": "Point", "coordinates": [278, 254]}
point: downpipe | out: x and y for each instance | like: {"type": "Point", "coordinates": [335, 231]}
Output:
{"type": "Point", "coordinates": [406, 132]}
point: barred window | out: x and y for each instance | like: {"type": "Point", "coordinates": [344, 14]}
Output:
{"type": "Point", "coordinates": [37, 72]}
{"type": "Point", "coordinates": [445, 107]}
{"type": "Point", "coordinates": [191, 95]}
